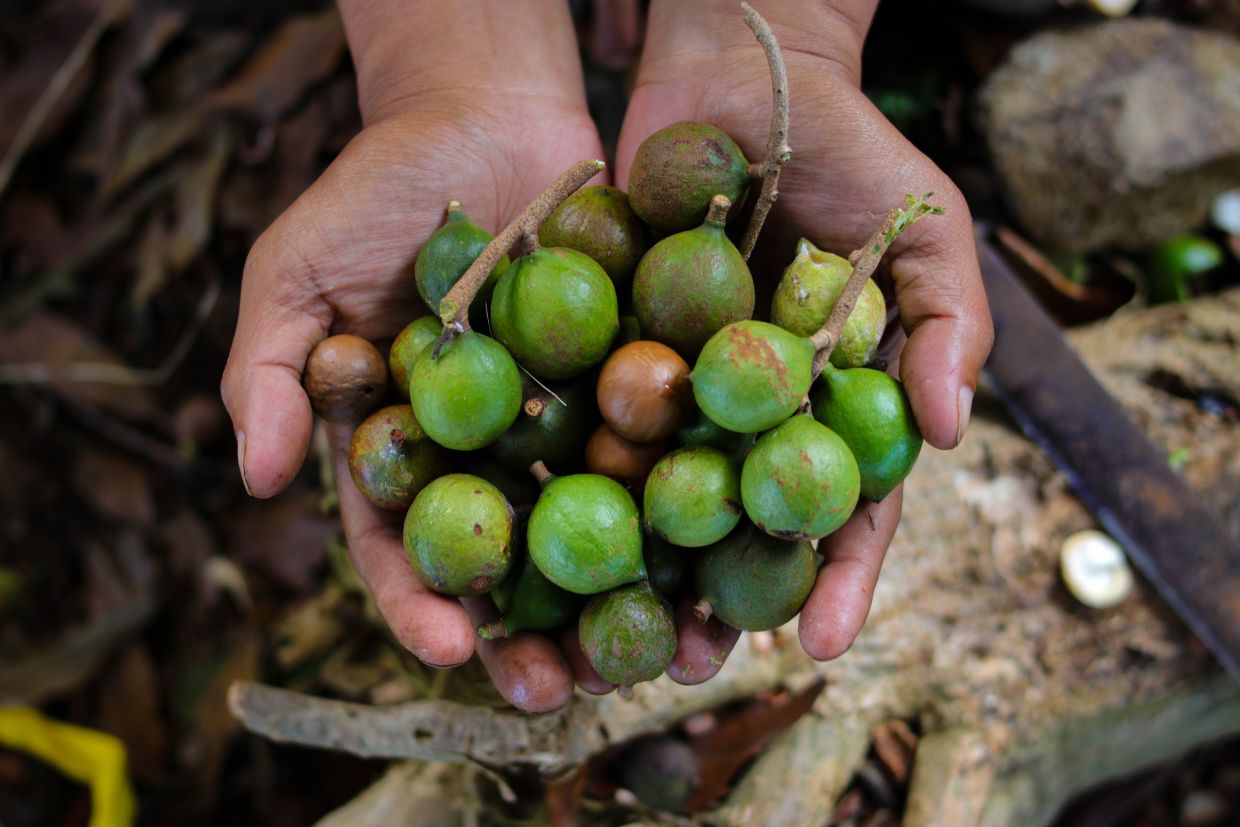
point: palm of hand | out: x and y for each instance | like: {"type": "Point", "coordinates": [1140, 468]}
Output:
{"type": "Point", "coordinates": [850, 166]}
{"type": "Point", "coordinates": [347, 245]}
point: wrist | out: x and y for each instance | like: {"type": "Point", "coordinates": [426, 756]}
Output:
{"type": "Point", "coordinates": [809, 33]}
{"type": "Point", "coordinates": [405, 51]}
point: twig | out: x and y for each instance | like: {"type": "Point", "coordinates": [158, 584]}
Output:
{"type": "Point", "coordinates": [55, 90]}
{"type": "Point", "coordinates": [864, 261]}
{"type": "Point", "coordinates": [777, 151]}
{"type": "Point", "coordinates": [540, 472]}
{"type": "Point", "coordinates": [454, 309]}
{"type": "Point", "coordinates": [102, 373]}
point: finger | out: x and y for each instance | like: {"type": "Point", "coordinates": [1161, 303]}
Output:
{"type": "Point", "coordinates": [585, 674]}
{"type": "Point", "coordinates": [528, 668]}
{"type": "Point", "coordinates": [261, 386]}
{"type": "Point", "coordinates": [701, 648]}
{"type": "Point", "coordinates": [432, 626]}
{"type": "Point", "coordinates": [615, 33]}
{"type": "Point", "coordinates": [944, 311]}
{"type": "Point", "coordinates": [840, 600]}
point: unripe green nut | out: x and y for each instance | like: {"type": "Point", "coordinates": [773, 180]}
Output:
{"type": "Point", "coordinates": [692, 496]}
{"type": "Point", "coordinates": [800, 481]}
{"type": "Point", "coordinates": [556, 311]}
{"type": "Point", "coordinates": [585, 535]}
{"type": "Point", "coordinates": [628, 634]}
{"type": "Point", "coordinates": [468, 396]}
{"type": "Point", "coordinates": [406, 349]}
{"type": "Point", "coordinates": [870, 411]}
{"type": "Point", "coordinates": [458, 535]}
{"type": "Point", "coordinates": [446, 256]}
{"type": "Point", "coordinates": [809, 289]}
{"type": "Point", "coordinates": [752, 375]}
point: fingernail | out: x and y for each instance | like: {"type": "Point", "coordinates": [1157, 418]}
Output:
{"type": "Point", "coordinates": [241, 461]}
{"type": "Point", "coordinates": [964, 404]}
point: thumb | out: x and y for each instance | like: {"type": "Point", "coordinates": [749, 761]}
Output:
{"type": "Point", "coordinates": [261, 386]}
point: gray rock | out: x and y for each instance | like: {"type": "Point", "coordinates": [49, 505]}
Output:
{"type": "Point", "coordinates": [1117, 133]}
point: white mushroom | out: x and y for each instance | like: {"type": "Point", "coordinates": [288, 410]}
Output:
{"type": "Point", "coordinates": [1113, 8]}
{"type": "Point", "coordinates": [1095, 569]}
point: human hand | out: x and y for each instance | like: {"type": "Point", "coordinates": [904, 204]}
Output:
{"type": "Point", "coordinates": [463, 116]}
{"type": "Point", "coordinates": [849, 167]}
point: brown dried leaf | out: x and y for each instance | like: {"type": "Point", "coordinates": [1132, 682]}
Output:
{"type": "Point", "coordinates": [129, 708]}
{"type": "Point", "coordinates": [740, 736]}
{"type": "Point", "coordinates": [283, 538]}
{"type": "Point", "coordinates": [32, 224]}
{"type": "Point", "coordinates": [166, 251]}
{"type": "Point", "coordinates": [194, 203]}
{"type": "Point", "coordinates": [301, 53]}
{"type": "Point", "coordinates": [25, 75]}
{"type": "Point", "coordinates": [895, 743]}
{"type": "Point", "coordinates": [213, 725]}
{"type": "Point", "coordinates": [155, 140]}
{"type": "Point", "coordinates": [115, 486]}
{"type": "Point", "coordinates": [47, 338]}
{"type": "Point", "coordinates": [197, 69]}
{"type": "Point", "coordinates": [64, 664]}
{"type": "Point", "coordinates": [563, 799]}
{"type": "Point", "coordinates": [151, 262]}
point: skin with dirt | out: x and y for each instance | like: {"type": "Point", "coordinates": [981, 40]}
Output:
{"type": "Point", "coordinates": [406, 349]}
{"type": "Point", "coordinates": [446, 256]}
{"type": "Point", "coordinates": [470, 395]}
{"type": "Point", "coordinates": [458, 535]}
{"type": "Point", "coordinates": [752, 375]}
{"type": "Point", "coordinates": [691, 284]}
{"type": "Point", "coordinates": [810, 287]}
{"type": "Point", "coordinates": [800, 481]}
{"type": "Point", "coordinates": [345, 378]}
{"type": "Point", "coordinates": [553, 426]}
{"type": "Point", "coordinates": [693, 496]}
{"type": "Point", "coordinates": [585, 534]}
{"type": "Point", "coordinates": [391, 459]}
{"type": "Point", "coordinates": [628, 634]}
{"type": "Point", "coordinates": [753, 581]}
{"type": "Point", "coordinates": [677, 171]}
{"type": "Point", "coordinates": [555, 309]}
{"type": "Point", "coordinates": [599, 222]}
{"type": "Point", "coordinates": [644, 392]}
{"type": "Point", "coordinates": [869, 411]}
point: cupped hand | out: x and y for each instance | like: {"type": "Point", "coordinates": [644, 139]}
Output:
{"type": "Point", "coordinates": [492, 131]}
{"type": "Point", "coordinates": [850, 166]}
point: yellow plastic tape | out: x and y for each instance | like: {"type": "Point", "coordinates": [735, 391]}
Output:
{"type": "Point", "coordinates": [94, 758]}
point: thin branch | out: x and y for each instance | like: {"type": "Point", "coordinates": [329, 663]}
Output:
{"type": "Point", "coordinates": [55, 90]}
{"type": "Point", "coordinates": [540, 472]}
{"type": "Point", "coordinates": [777, 151]}
{"type": "Point", "coordinates": [454, 309]}
{"type": "Point", "coordinates": [864, 261]}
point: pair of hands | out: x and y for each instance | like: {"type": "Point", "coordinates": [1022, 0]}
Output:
{"type": "Point", "coordinates": [483, 102]}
